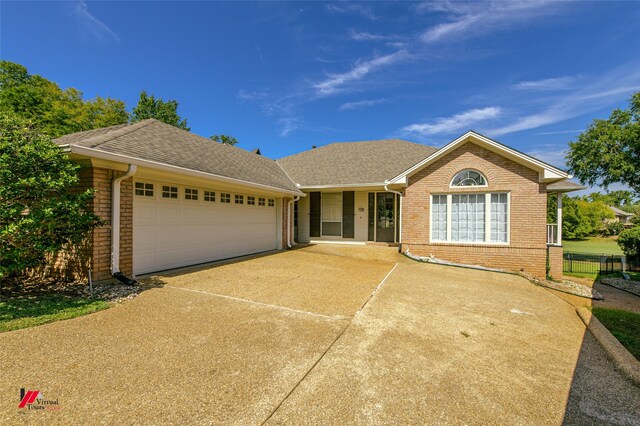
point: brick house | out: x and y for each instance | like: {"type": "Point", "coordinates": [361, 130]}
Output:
{"type": "Point", "coordinates": [172, 199]}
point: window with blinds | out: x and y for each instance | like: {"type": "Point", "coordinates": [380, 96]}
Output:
{"type": "Point", "coordinates": [332, 214]}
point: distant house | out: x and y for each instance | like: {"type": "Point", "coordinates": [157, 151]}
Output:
{"type": "Point", "coordinates": [172, 199]}
{"type": "Point", "coordinates": [622, 216]}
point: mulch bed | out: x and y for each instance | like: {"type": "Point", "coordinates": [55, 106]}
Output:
{"type": "Point", "coordinates": [622, 284]}
{"type": "Point", "coordinates": [106, 290]}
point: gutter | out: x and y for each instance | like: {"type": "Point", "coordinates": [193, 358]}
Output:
{"type": "Point", "coordinates": [400, 217]}
{"type": "Point", "coordinates": [96, 153]}
{"type": "Point", "coordinates": [115, 225]}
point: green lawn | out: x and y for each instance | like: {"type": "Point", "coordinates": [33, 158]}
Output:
{"type": "Point", "coordinates": [595, 245]}
{"type": "Point", "coordinates": [625, 326]}
{"type": "Point", "coordinates": [23, 312]}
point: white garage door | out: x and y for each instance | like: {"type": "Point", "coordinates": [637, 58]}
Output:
{"type": "Point", "coordinates": [176, 225]}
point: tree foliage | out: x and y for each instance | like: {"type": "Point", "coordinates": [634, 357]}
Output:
{"type": "Point", "coordinates": [629, 241]}
{"type": "Point", "coordinates": [227, 140]}
{"type": "Point", "coordinates": [166, 111]}
{"type": "Point", "coordinates": [56, 112]}
{"type": "Point", "coordinates": [39, 214]}
{"type": "Point", "coordinates": [580, 217]}
{"type": "Point", "coordinates": [621, 198]}
{"type": "Point", "coordinates": [609, 150]}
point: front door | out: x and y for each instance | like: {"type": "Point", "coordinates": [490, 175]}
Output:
{"type": "Point", "coordinates": [385, 220]}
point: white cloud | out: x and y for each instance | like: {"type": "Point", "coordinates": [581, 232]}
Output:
{"type": "Point", "coordinates": [366, 36]}
{"type": "Point", "coordinates": [336, 82]}
{"type": "Point", "coordinates": [551, 154]}
{"type": "Point", "coordinates": [290, 124]}
{"type": "Point", "coordinates": [454, 123]}
{"type": "Point", "coordinates": [615, 86]}
{"type": "Point", "coordinates": [559, 132]}
{"type": "Point", "coordinates": [360, 104]}
{"type": "Point", "coordinates": [546, 84]}
{"type": "Point", "coordinates": [354, 8]}
{"type": "Point", "coordinates": [248, 95]}
{"type": "Point", "coordinates": [92, 24]}
{"type": "Point", "coordinates": [470, 19]}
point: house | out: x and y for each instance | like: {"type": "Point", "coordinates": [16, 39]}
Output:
{"type": "Point", "coordinates": [174, 199]}
{"type": "Point", "coordinates": [622, 216]}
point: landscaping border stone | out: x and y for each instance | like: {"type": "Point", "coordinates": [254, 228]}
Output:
{"type": "Point", "coordinates": [629, 286]}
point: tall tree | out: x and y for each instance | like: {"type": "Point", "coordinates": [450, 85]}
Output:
{"type": "Point", "coordinates": [39, 214]}
{"type": "Point", "coordinates": [55, 111]}
{"type": "Point", "coordinates": [609, 150]}
{"type": "Point", "coordinates": [227, 140]}
{"type": "Point", "coordinates": [166, 111]}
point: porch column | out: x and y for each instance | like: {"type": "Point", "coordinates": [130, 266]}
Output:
{"type": "Point", "coordinates": [559, 220]}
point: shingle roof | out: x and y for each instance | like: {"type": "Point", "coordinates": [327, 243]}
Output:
{"type": "Point", "coordinates": [362, 162]}
{"type": "Point", "coordinates": [619, 212]}
{"type": "Point", "coordinates": [156, 141]}
{"type": "Point", "coordinates": [564, 186]}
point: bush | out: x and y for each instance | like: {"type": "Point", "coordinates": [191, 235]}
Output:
{"type": "Point", "coordinates": [629, 241]}
{"type": "Point", "coordinates": [38, 213]}
{"type": "Point", "coordinates": [613, 228]}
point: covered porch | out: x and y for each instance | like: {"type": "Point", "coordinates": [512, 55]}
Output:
{"type": "Point", "coordinates": [349, 215]}
{"type": "Point", "coordinates": [554, 230]}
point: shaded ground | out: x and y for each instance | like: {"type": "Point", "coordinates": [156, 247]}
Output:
{"type": "Point", "coordinates": [277, 338]}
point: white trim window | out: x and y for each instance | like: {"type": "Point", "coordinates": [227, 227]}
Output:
{"type": "Point", "coordinates": [470, 218]}
{"type": "Point", "coordinates": [439, 218]}
{"type": "Point", "coordinates": [468, 177]}
{"type": "Point", "coordinates": [169, 191]}
{"type": "Point", "coordinates": [144, 189]}
{"type": "Point", "coordinates": [500, 217]}
{"type": "Point", "coordinates": [331, 214]}
{"type": "Point", "coordinates": [191, 194]}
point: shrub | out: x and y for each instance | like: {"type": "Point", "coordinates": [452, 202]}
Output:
{"type": "Point", "coordinates": [613, 228]}
{"type": "Point", "coordinates": [39, 214]}
{"type": "Point", "coordinates": [629, 241]}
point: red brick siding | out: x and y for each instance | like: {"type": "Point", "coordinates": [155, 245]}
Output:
{"type": "Point", "coordinates": [527, 247]}
{"type": "Point", "coordinates": [96, 253]}
{"type": "Point", "coordinates": [555, 262]}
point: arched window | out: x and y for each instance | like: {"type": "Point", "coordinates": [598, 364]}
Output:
{"type": "Point", "coordinates": [469, 178]}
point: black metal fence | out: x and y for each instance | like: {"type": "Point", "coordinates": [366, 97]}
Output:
{"type": "Point", "coordinates": [584, 263]}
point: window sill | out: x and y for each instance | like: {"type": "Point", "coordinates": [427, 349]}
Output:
{"type": "Point", "coordinates": [468, 244]}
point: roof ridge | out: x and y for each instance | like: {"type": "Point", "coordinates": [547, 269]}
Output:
{"type": "Point", "coordinates": [287, 174]}
{"type": "Point", "coordinates": [98, 140]}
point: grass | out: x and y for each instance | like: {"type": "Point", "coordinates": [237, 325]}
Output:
{"type": "Point", "coordinates": [594, 245]}
{"type": "Point", "coordinates": [29, 311]}
{"type": "Point", "coordinates": [625, 326]}
{"type": "Point", "coordinates": [581, 275]}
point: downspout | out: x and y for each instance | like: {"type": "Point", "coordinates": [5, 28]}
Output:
{"type": "Point", "coordinates": [290, 243]}
{"type": "Point", "coordinates": [115, 226]}
{"type": "Point", "coordinates": [400, 216]}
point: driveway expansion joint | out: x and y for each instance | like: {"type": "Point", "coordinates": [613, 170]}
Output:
{"type": "Point", "coordinates": [267, 305]}
{"type": "Point", "coordinates": [315, 364]}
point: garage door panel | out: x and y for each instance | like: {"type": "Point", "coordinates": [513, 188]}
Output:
{"type": "Point", "coordinates": [167, 214]}
{"type": "Point", "coordinates": [178, 232]}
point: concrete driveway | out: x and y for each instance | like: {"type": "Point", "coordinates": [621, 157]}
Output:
{"type": "Point", "coordinates": [322, 334]}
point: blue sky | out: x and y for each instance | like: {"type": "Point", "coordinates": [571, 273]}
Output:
{"type": "Point", "coordinates": [288, 75]}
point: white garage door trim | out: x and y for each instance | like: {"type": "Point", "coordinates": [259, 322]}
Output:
{"type": "Point", "coordinates": [176, 225]}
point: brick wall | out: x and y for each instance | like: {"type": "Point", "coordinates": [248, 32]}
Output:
{"type": "Point", "coordinates": [101, 254]}
{"type": "Point", "coordinates": [96, 252]}
{"type": "Point", "coordinates": [555, 262]}
{"type": "Point", "coordinates": [527, 247]}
